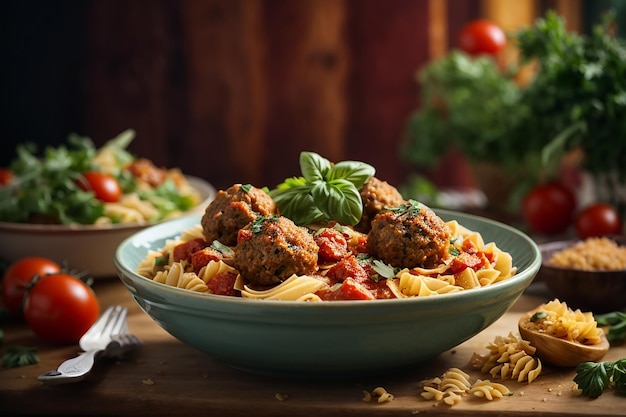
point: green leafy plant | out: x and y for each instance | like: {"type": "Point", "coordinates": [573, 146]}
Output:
{"type": "Point", "coordinates": [575, 100]}
{"type": "Point", "coordinates": [578, 97]}
{"type": "Point", "coordinates": [467, 103]}
{"type": "Point", "coordinates": [325, 191]}
{"type": "Point", "coordinates": [16, 356]}
{"type": "Point", "coordinates": [593, 378]}
{"type": "Point", "coordinates": [616, 323]}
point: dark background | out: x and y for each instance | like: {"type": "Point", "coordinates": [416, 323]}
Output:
{"type": "Point", "coordinates": [228, 90]}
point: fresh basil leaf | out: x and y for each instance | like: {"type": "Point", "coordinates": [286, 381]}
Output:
{"type": "Point", "coordinates": [339, 200]}
{"type": "Point", "coordinates": [356, 172]}
{"type": "Point", "coordinates": [288, 183]}
{"type": "Point", "coordinates": [313, 166]}
{"type": "Point", "coordinates": [297, 204]}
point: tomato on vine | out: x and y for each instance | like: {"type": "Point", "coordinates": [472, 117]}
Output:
{"type": "Point", "coordinates": [481, 37]}
{"type": "Point", "coordinates": [60, 308]}
{"type": "Point", "coordinates": [18, 277]}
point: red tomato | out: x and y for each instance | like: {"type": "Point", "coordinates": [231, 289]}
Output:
{"type": "Point", "coordinates": [549, 208]}
{"type": "Point", "coordinates": [599, 219]}
{"type": "Point", "coordinates": [60, 308]}
{"type": "Point", "coordinates": [6, 176]}
{"type": "Point", "coordinates": [481, 37]}
{"type": "Point", "coordinates": [104, 186]}
{"type": "Point", "coordinates": [19, 275]}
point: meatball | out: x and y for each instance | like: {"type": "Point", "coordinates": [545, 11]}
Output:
{"type": "Point", "coordinates": [271, 249]}
{"type": "Point", "coordinates": [410, 235]}
{"type": "Point", "coordinates": [232, 210]}
{"type": "Point", "coordinates": [376, 195]}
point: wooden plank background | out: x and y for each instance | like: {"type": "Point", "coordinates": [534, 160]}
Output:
{"type": "Point", "coordinates": [231, 90]}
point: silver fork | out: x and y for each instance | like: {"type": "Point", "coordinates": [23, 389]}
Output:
{"type": "Point", "coordinates": [107, 337]}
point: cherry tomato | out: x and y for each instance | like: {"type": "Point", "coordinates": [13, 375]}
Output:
{"type": "Point", "coordinates": [6, 176]}
{"type": "Point", "coordinates": [19, 275]}
{"type": "Point", "coordinates": [104, 186]}
{"type": "Point", "coordinates": [481, 37]}
{"type": "Point", "coordinates": [549, 208]}
{"type": "Point", "coordinates": [60, 308]}
{"type": "Point", "coordinates": [598, 219]}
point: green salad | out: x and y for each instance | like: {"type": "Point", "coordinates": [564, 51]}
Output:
{"type": "Point", "coordinates": [77, 183]}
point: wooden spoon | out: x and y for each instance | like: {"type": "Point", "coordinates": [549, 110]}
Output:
{"type": "Point", "coordinates": [561, 352]}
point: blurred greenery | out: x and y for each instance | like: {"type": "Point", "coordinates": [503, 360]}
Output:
{"type": "Point", "coordinates": [576, 99]}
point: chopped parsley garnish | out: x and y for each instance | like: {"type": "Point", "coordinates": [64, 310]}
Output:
{"type": "Point", "coordinates": [410, 208]}
{"type": "Point", "coordinates": [257, 225]}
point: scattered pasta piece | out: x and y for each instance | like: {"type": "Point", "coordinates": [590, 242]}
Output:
{"type": "Point", "coordinates": [454, 384]}
{"type": "Point", "coordinates": [380, 394]}
{"type": "Point", "coordinates": [281, 397]}
{"type": "Point", "coordinates": [509, 357]}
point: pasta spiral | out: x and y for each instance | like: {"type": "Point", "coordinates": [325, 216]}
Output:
{"type": "Point", "coordinates": [454, 384]}
{"type": "Point", "coordinates": [509, 357]}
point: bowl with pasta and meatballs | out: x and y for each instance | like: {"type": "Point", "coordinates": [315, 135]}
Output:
{"type": "Point", "coordinates": [332, 273]}
{"type": "Point", "coordinates": [74, 203]}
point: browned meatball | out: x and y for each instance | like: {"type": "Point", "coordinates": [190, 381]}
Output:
{"type": "Point", "coordinates": [410, 235]}
{"type": "Point", "coordinates": [271, 249]}
{"type": "Point", "coordinates": [376, 195]}
{"type": "Point", "coordinates": [232, 210]}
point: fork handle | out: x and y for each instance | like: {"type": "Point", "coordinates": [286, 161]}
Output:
{"type": "Point", "coordinates": [72, 370]}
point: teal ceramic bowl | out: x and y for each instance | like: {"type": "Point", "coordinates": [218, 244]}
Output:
{"type": "Point", "coordinates": [327, 339]}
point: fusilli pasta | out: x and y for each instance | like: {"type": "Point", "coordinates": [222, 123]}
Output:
{"type": "Point", "coordinates": [509, 357]}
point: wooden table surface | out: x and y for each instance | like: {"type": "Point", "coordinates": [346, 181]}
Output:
{"type": "Point", "coordinates": [166, 378]}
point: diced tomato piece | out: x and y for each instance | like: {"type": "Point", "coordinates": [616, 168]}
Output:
{"type": "Point", "coordinates": [332, 245]}
{"type": "Point", "coordinates": [348, 290]}
{"type": "Point", "coordinates": [223, 284]}
{"type": "Point", "coordinates": [360, 246]}
{"type": "Point", "coordinates": [184, 250]}
{"type": "Point", "coordinates": [469, 246]}
{"type": "Point", "coordinates": [203, 256]}
{"type": "Point", "coordinates": [381, 290]}
{"type": "Point", "coordinates": [347, 268]}
{"type": "Point", "coordinates": [467, 260]}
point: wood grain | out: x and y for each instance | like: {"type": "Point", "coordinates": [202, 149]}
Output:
{"type": "Point", "coordinates": [167, 378]}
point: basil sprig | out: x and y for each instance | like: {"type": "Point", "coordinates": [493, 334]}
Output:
{"type": "Point", "coordinates": [325, 191]}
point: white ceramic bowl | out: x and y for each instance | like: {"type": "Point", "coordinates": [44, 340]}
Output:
{"type": "Point", "coordinates": [335, 338]}
{"type": "Point", "coordinates": [81, 247]}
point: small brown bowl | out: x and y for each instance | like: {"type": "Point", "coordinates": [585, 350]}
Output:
{"type": "Point", "coordinates": [595, 291]}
